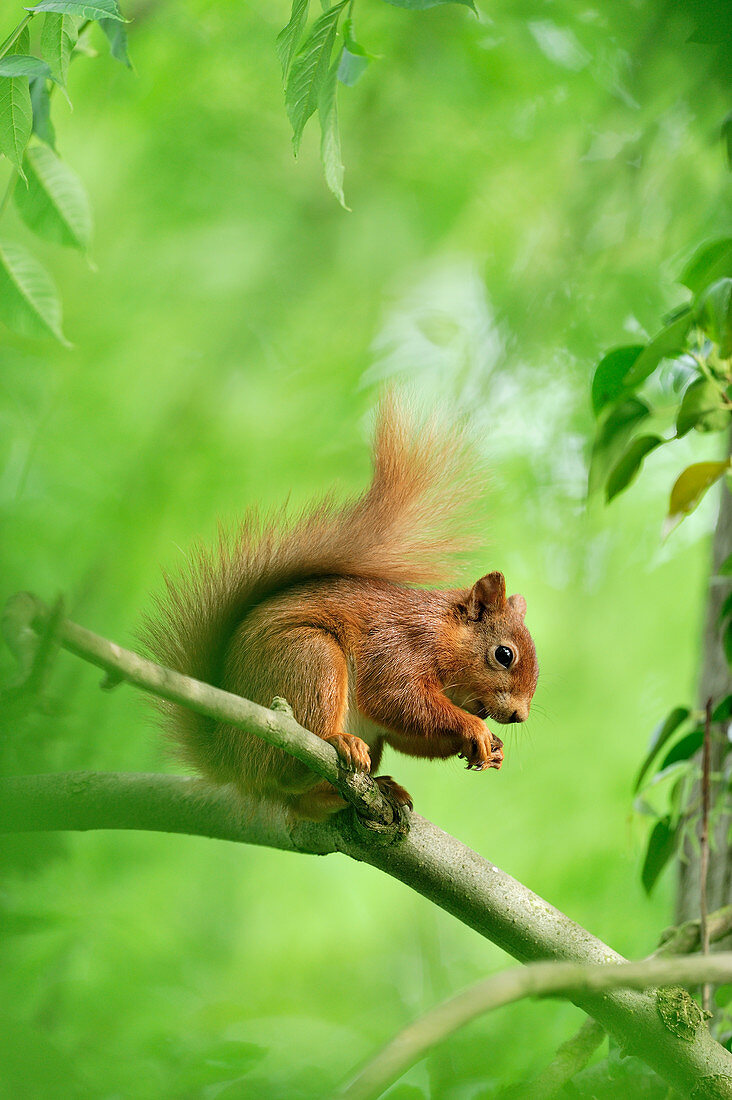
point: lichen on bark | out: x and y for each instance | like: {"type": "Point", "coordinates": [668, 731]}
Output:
{"type": "Point", "coordinates": [679, 1012]}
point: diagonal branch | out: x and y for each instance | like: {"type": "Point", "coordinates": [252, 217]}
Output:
{"type": "Point", "coordinates": [574, 1054]}
{"type": "Point", "coordinates": [425, 858]}
{"type": "Point", "coordinates": [537, 980]}
{"type": "Point", "coordinates": [25, 616]}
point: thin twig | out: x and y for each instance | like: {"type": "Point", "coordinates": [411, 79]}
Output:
{"type": "Point", "coordinates": [704, 856]}
{"type": "Point", "coordinates": [573, 1055]}
{"type": "Point", "coordinates": [537, 980]}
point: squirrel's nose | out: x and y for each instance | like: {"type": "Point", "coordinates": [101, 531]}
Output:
{"type": "Point", "coordinates": [516, 717]}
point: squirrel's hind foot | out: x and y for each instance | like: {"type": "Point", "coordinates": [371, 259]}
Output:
{"type": "Point", "coordinates": [394, 791]}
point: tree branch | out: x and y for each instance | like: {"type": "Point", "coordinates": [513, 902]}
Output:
{"type": "Point", "coordinates": [157, 803]}
{"type": "Point", "coordinates": [425, 858]}
{"type": "Point", "coordinates": [573, 1055]}
{"type": "Point", "coordinates": [684, 938]}
{"type": "Point", "coordinates": [25, 616]}
{"type": "Point", "coordinates": [539, 980]}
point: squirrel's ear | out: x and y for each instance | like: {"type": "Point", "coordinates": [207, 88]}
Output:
{"type": "Point", "coordinates": [518, 603]}
{"type": "Point", "coordinates": [487, 594]}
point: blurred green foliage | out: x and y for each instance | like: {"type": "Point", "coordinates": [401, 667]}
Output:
{"type": "Point", "coordinates": [525, 188]}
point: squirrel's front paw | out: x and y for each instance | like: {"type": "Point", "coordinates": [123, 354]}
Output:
{"type": "Point", "coordinates": [354, 752]}
{"type": "Point", "coordinates": [482, 750]}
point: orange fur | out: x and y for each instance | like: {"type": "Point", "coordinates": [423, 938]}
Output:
{"type": "Point", "coordinates": [322, 613]}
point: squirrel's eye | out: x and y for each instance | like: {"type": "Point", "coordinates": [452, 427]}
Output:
{"type": "Point", "coordinates": [503, 655]}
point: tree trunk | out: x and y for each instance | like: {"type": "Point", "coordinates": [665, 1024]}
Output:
{"type": "Point", "coordinates": [715, 682]}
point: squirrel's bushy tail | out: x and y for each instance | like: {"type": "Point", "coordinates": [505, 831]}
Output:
{"type": "Point", "coordinates": [403, 528]}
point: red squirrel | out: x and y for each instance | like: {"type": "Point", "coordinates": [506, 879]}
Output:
{"type": "Point", "coordinates": [324, 613]}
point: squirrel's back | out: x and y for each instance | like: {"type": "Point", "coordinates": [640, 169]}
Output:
{"type": "Point", "coordinates": [403, 529]}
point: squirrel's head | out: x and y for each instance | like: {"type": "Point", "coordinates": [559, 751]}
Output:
{"type": "Point", "coordinates": [494, 671]}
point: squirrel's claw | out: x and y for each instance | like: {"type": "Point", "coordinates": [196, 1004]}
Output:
{"type": "Point", "coordinates": [483, 753]}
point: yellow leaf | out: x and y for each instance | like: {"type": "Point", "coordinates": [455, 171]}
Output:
{"type": "Point", "coordinates": [690, 487]}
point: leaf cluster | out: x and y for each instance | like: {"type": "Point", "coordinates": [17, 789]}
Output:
{"type": "Point", "coordinates": [665, 780]}
{"type": "Point", "coordinates": [695, 350]}
{"type": "Point", "coordinates": [48, 195]}
{"type": "Point", "coordinates": [315, 60]}
{"type": "Point", "coordinates": [690, 363]}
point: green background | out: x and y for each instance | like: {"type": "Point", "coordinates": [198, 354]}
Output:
{"type": "Point", "coordinates": [524, 190]}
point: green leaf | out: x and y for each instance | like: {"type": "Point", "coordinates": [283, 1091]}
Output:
{"type": "Point", "coordinates": [117, 37]}
{"type": "Point", "coordinates": [669, 342]}
{"type": "Point", "coordinates": [330, 142]}
{"type": "Point", "coordinates": [608, 381]}
{"type": "Point", "coordinates": [675, 795]}
{"type": "Point", "coordinates": [29, 303]}
{"type": "Point", "coordinates": [354, 58]}
{"type": "Point", "coordinates": [723, 710]}
{"type": "Point", "coordinates": [16, 113]}
{"type": "Point", "coordinates": [714, 314]}
{"type": "Point", "coordinates": [84, 47]}
{"type": "Point", "coordinates": [684, 748]}
{"type": "Point", "coordinates": [623, 417]}
{"type": "Point", "coordinates": [41, 104]}
{"type": "Point", "coordinates": [310, 70]}
{"type": "Point", "coordinates": [22, 43]}
{"type": "Point", "coordinates": [613, 433]}
{"type": "Point", "coordinates": [58, 38]}
{"type": "Point", "coordinates": [702, 408]}
{"type": "Point", "coordinates": [349, 37]}
{"type": "Point", "coordinates": [626, 470]}
{"type": "Point", "coordinates": [32, 67]}
{"type": "Point", "coordinates": [87, 9]}
{"type": "Point", "coordinates": [710, 262]}
{"type": "Point", "coordinates": [690, 487]}
{"type": "Point", "coordinates": [659, 737]}
{"type": "Point", "coordinates": [727, 642]}
{"type": "Point", "coordinates": [54, 204]}
{"type": "Point", "coordinates": [661, 846]}
{"type": "Point", "coordinates": [725, 569]}
{"type": "Point", "coordinates": [289, 37]}
{"type": "Point", "coordinates": [674, 771]}
{"type": "Point", "coordinates": [351, 67]}
{"type": "Point", "coordinates": [421, 5]}
{"type": "Point", "coordinates": [18, 65]}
